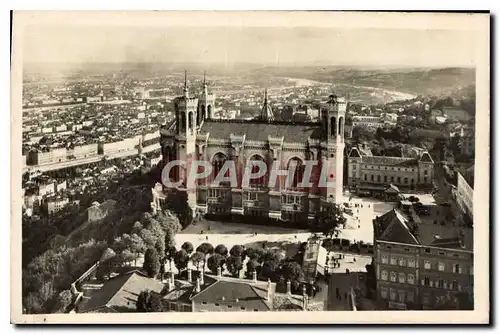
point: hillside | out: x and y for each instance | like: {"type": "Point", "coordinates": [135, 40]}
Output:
{"type": "Point", "coordinates": [437, 82]}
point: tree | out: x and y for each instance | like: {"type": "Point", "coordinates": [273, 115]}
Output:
{"type": "Point", "coordinates": [148, 237]}
{"type": "Point", "coordinates": [221, 249]}
{"type": "Point", "coordinates": [328, 220]}
{"type": "Point", "coordinates": [269, 270]}
{"type": "Point", "coordinates": [207, 249]}
{"type": "Point", "coordinates": [252, 266]}
{"type": "Point", "coordinates": [255, 254]}
{"type": "Point", "coordinates": [181, 259]}
{"type": "Point", "coordinates": [63, 302]}
{"type": "Point", "coordinates": [215, 261]}
{"type": "Point", "coordinates": [292, 271]}
{"type": "Point", "coordinates": [160, 246]}
{"type": "Point", "coordinates": [151, 263]}
{"type": "Point", "coordinates": [237, 250]}
{"type": "Point", "coordinates": [198, 259]}
{"type": "Point", "coordinates": [234, 265]}
{"type": "Point", "coordinates": [169, 238]}
{"type": "Point", "coordinates": [177, 202]}
{"type": "Point", "coordinates": [149, 301]}
{"type": "Point", "coordinates": [170, 253]}
{"type": "Point", "coordinates": [188, 247]}
{"type": "Point", "coordinates": [137, 228]}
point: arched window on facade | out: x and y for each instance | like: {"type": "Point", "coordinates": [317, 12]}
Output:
{"type": "Point", "coordinates": [190, 120]}
{"type": "Point", "coordinates": [209, 111]}
{"type": "Point", "coordinates": [333, 127]}
{"type": "Point", "coordinates": [182, 122]}
{"type": "Point", "coordinates": [341, 126]}
{"type": "Point", "coordinates": [325, 125]}
{"type": "Point", "coordinates": [203, 113]}
{"type": "Point", "coordinates": [255, 163]}
{"type": "Point", "coordinates": [217, 162]}
{"type": "Point", "coordinates": [296, 165]}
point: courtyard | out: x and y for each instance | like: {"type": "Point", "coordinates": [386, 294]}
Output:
{"type": "Point", "coordinates": [358, 227]}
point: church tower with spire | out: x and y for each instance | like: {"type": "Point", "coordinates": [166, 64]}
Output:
{"type": "Point", "coordinates": [266, 113]}
{"type": "Point", "coordinates": [185, 116]}
{"type": "Point", "coordinates": [206, 105]}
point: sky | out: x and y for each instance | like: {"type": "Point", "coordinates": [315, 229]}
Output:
{"type": "Point", "coordinates": [262, 45]}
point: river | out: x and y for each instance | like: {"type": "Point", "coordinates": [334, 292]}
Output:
{"type": "Point", "coordinates": [392, 94]}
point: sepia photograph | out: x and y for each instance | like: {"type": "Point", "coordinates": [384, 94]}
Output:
{"type": "Point", "coordinates": [250, 165]}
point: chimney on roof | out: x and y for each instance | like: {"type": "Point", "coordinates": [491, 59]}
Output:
{"type": "Point", "coordinates": [201, 279]}
{"type": "Point", "coordinates": [254, 276]}
{"type": "Point", "coordinates": [197, 287]}
{"type": "Point", "coordinates": [288, 287]}
{"type": "Point", "coordinates": [461, 238]}
{"type": "Point", "coordinates": [305, 302]}
{"type": "Point", "coordinates": [268, 289]}
{"type": "Point", "coordinates": [170, 285]}
{"type": "Point", "coordinates": [172, 277]}
{"type": "Point", "coordinates": [219, 271]}
{"type": "Point", "coordinates": [190, 275]}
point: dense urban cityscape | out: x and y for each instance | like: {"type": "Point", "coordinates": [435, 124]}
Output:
{"type": "Point", "coordinates": [102, 232]}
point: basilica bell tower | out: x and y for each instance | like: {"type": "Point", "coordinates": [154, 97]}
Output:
{"type": "Point", "coordinates": [332, 158]}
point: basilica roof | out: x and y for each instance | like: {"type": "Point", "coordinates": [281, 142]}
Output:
{"type": "Point", "coordinates": [258, 130]}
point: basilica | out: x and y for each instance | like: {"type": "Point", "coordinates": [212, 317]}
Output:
{"type": "Point", "coordinates": [197, 135]}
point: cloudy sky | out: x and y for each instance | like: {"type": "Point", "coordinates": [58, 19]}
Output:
{"type": "Point", "coordinates": [264, 45]}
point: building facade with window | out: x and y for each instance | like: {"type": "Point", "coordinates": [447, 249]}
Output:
{"type": "Point", "coordinates": [465, 191]}
{"type": "Point", "coordinates": [372, 175]}
{"type": "Point", "coordinates": [197, 135]}
{"type": "Point", "coordinates": [422, 265]}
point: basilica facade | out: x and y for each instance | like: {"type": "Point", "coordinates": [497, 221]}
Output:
{"type": "Point", "coordinates": [197, 135]}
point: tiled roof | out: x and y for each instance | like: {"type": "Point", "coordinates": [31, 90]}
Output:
{"type": "Point", "coordinates": [389, 161]}
{"type": "Point", "coordinates": [260, 130]}
{"type": "Point", "coordinates": [120, 293]}
{"type": "Point", "coordinates": [395, 227]}
{"type": "Point", "coordinates": [235, 293]}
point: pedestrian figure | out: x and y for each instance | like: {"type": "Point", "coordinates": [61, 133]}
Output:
{"type": "Point", "coordinates": [206, 238]}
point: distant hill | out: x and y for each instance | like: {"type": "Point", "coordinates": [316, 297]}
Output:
{"type": "Point", "coordinates": [427, 81]}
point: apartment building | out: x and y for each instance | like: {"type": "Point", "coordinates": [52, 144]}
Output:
{"type": "Point", "coordinates": [422, 262]}
{"type": "Point", "coordinates": [371, 175]}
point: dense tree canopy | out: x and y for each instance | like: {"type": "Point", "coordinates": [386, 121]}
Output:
{"type": "Point", "coordinates": [149, 301]}
{"type": "Point", "coordinates": [151, 263]}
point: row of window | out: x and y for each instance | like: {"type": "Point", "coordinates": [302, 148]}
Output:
{"type": "Point", "coordinates": [178, 307]}
{"type": "Point", "coordinates": [399, 296]}
{"type": "Point", "coordinates": [399, 169]}
{"type": "Point", "coordinates": [230, 306]}
{"type": "Point", "coordinates": [400, 278]}
{"type": "Point", "coordinates": [440, 266]}
{"type": "Point", "coordinates": [402, 262]}
{"type": "Point", "coordinates": [392, 179]}
{"type": "Point", "coordinates": [426, 281]}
